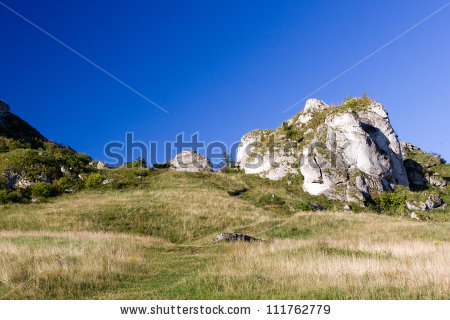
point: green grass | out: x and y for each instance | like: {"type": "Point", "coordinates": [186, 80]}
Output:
{"type": "Point", "coordinates": [149, 236]}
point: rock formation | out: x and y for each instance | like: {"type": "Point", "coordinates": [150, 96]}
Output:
{"type": "Point", "coordinates": [191, 161]}
{"type": "Point", "coordinates": [4, 107]}
{"type": "Point", "coordinates": [346, 152]}
{"type": "Point", "coordinates": [13, 127]}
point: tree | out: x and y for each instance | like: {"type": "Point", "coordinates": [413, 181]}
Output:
{"type": "Point", "coordinates": [227, 160]}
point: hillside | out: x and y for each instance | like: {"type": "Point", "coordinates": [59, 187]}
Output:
{"type": "Point", "coordinates": [69, 230]}
{"type": "Point", "coordinates": [32, 167]}
{"type": "Point", "coordinates": [153, 240]}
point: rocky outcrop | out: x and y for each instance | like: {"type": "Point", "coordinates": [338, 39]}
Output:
{"type": "Point", "coordinates": [432, 202]}
{"type": "Point", "coordinates": [436, 181]}
{"type": "Point", "coordinates": [13, 127]}
{"type": "Point", "coordinates": [191, 161]}
{"type": "Point", "coordinates": [415, 172]}
{"type": "Point", "coordinates": [419, 166]}
{"type": "Point", "coordinates": [4, 107]}
{"type": "Point", "coordinates": [346, 152]}
{"type": "Point", "coordinates": [233, 237]}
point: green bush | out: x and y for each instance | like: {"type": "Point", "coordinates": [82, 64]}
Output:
{"type": "Point", "coordinates": [141, 172]}
{"type": "Point", "coordinates": [390, 202]}
{"type": "Point", "coordinates": [94, 181]}
{"type": "Point", "coordinates": [7, 196]}
{"type": "Point", "coordinates": [43, 190]}
{"type": "Point", "coordinates": [165, 165]}
{"type": "Point", "coordinates": [303, 206]}
{"type": "Point", "coordinates": [3, 182]}
{"type": "Point", "coordinates": [270, 199]}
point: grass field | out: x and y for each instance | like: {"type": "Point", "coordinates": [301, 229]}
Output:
{"type": "Point", "coordinates": [152, 239]}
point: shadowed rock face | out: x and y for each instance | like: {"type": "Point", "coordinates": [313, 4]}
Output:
{"type": "Point", "coordinates": [4, 107]}
{"type": "Point", "coordinates": [191, 161]}
{"type": "Point", "coordinates": [13, 127]}
{"type": "Point", "coordinates": [347, 152]}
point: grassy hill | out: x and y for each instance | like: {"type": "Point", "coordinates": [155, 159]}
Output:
{"type": "Point", "coordinates": [72, 231]}
{"type": "Point", "coordinates": [149, 235]}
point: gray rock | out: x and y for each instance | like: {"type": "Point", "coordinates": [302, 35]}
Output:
{"type": "Point", "coordinates": [415, 172]}
{"type": "Point", "coordinates": [433, 202]}
{"type": "Point", "coordinates": [44, 178]}
{"type": "Point", "coordinates": [11, 178]}
{"type": "Point", "coordinates": [108, 181]}
{"type": "Point", "coordinates": [233, 237]}
{"type": "Point", "coordinates": [68, 190]}
{"type": "Point", "coordinates": [413, 205]}
{"type": "Point", "coordinates": [415, 216]}
{"type": "Point", "coordinates": [4, 107]}
{"type": "Point", "coordinates": [436, 181]}
{"type": "Point", "coordinates": [191, 161]}
{"type": "Point", "coordinates": [102, 165]}
{"type": "Point", "coordinates": [347, 208]}
{"type": "Point", "coordinates": [80, 176]}
{"type": "Point", "coordinates": [64, 170]}
{"type": "Point", "coordinates": [408, 147]}
{"type": "Point", "coordinates": [24, 183]}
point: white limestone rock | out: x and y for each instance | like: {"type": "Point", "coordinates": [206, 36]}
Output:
{"type": "Point", "coordinates": [102, 165]}
{"type": "Point", "coordinates": [191, 161]}
{"type": "Point", "coordinates": [350, 155]}
{"type": "Point", "coordinates": [273, 165]}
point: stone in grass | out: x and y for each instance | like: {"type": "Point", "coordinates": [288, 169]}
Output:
{"type": "Point", "coordinates": [233, 237]}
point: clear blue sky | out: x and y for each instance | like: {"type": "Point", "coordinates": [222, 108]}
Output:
{"type": "Point", "coordinates": [221, 68]}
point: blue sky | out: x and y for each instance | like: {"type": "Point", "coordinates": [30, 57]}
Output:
{"type": "Point", "coordinates": [221, 68]}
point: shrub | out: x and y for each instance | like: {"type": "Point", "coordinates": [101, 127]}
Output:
{"type": "Point", "coordinates": [141, 172]}
{"type": "Point", "coordinates": [94, 181]}
{"type": "Point", "coordinates": [303, 206]}
{"type": "Point", "coordinates": [270, 199]}
{"type": "Point", "coordinates": [3, 182]}
{"type": "Point", "coordinates": [165, 165]}
{"type": "Point", "coordinates": [7, 196]}
{"type": "Point", "coordinates": [43, 190]}
{"type": "Point", "coordinates": [389, 202]}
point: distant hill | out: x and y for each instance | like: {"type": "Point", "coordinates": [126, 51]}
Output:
{"type": "Point", "coordinates": [31, 165]}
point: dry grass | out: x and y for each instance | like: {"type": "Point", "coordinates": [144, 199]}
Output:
{"type": "Point", "coordinates": [304, 269]}
{"type": "Point", "coordinates": [156, 243]}
{"type": "Point", "coordinates": [47, 264]}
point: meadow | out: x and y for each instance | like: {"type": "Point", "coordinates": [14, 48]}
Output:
{"type": "Point", "coordinates": [150, 236]}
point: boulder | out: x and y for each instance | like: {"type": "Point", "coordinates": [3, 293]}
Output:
{"type": "Point", "coordinates": [102, 165]}
{"type": "Point", "coordinates": [415, 216]}
{"type": "Point", "coordinates": [343, 152]}
{"type": "Point", "coordinates": [65, 170]}
{"type": "Point", "coordinates": [108, 181]}
{"type": "Point", "coordinates": [191, 161]}
{"type": "Point", "coordinates": [433, 202]}
{"type": "Point", "coordinates": [233, 237]}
